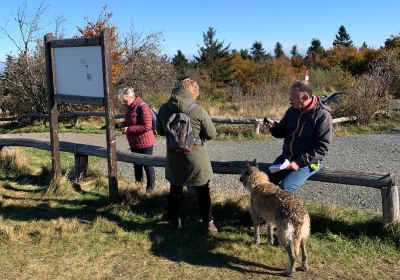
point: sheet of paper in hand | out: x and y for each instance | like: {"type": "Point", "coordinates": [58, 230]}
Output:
{"type": "Point", "coordinates": [278, 167]}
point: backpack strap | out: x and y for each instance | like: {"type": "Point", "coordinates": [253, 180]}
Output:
{"type": "Point", "coordinates": [141, 110]}
{"type": "Point", "coordinates": [190, 108]}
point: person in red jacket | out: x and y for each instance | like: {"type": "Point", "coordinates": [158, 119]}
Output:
{"type": "Point", "coordinates": [139, 132]}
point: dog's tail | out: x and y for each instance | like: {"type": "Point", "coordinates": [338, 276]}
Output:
{"type": "Point", "coordinates": [302, 233]}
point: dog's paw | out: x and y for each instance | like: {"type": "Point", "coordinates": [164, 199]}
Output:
{"type": "Point", "coordinates": [288, 273]}
{"type": "Point", "coordinates": [303, 268]}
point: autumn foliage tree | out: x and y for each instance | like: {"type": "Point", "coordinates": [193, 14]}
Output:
{"type": "Point", "coordinates": [94, 28]}
{"type": "Point", "coordinates": [137, 60]}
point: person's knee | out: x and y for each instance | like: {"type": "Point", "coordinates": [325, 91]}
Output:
{"type": "Point", "coordinates": [289, 187]}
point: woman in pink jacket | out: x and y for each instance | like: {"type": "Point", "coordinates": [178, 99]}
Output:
{"type": "Point", "coordinates": [139, 132]}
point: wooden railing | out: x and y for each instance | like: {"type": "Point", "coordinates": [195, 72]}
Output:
{"type": "Point", "coordinates": [383, 181]}
{"type": "Point", "coordinates": [257, 123]}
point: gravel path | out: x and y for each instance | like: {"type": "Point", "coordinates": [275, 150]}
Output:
{"type": "Point", "coordinates": [373, 153]}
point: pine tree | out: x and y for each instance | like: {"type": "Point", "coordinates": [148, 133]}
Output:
{"type": "Point", "coordinates": [294, 51]}
{"type": "Point", "coordinates": [181, 64]}
{"type": "Point", "coordinates": [214, 57]}
{"type": "Point", "coordinates": [257, 51]}
{"type": "Point", "coordinates": [212, 51]}
{"type": "Point", "coordinates": [278, 50]}
{"type": "Point", "coordinates": [244, 53]}
{"type": "Point", "coordinates": [315, 54]}
{"type": "Point", "coordinates": [343, 38]}
{"type": "Point", "coordinates": [364, 45]}
{"type": "Point", "coordinates": [297, 59]}
{"type": "Point", "coordinates": [316, 47]}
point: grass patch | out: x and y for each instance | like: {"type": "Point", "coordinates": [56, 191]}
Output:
{"type": "Point", "coordinates": [380, 125]}
{"type": "Point", "coordinates": [228, 132]}
{"type": "Point", "coordinates": [91, 126]}
{"type": "Point", "coordinates": [75, 234]}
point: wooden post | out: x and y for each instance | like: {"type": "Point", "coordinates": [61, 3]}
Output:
{"type": "Point", "coordinates": [74, 120]}
{"type": "Point", "coordinates": [81, 166]}
{"type": "Point", "coordinates": [110, 122]}
{"type": "Point", "coordinates": [53, 111]}
{"type": "Point", "coordinates": [390, 202]}
{"type": "Point", "coordinates": [258, 126]}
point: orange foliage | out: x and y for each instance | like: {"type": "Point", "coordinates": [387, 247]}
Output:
{"type": "Point", "coordinates": [94, 28]}
{"type": "Point", "coordinates": [343, 56]}
{"type": "Point", "coordinates": [243, 70]}
{"type": "Point", "coordinates": [278, 69]}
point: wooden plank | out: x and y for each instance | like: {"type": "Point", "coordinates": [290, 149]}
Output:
{"type": "Point", "coordinates": [52, 109]}
{"type": "Point", "coordinates": [233, 121]}
{"type": "Point", "coordinates": [344, 119]}
{"type": "Point", "coordinates": [78, 42]}
{"type": "Point", "coordinates": [64, 98]}
{"type": "Point", "coordinates": [100, 100]}
{"type": "Point", "coordinates": [374, 180]}
{"type": "Point", "coordinates": [109, 111]}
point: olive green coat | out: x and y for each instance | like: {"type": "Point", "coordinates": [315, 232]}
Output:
{"type": "Point", "coordinates": [188, 168]}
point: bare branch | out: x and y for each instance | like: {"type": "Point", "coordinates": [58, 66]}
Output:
{"type": "Point", "coordinates": [3, 30]}
{"type": "Point", "coordinates": [59, 30]}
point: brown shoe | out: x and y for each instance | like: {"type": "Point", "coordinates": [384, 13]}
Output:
{"type": "Point", "coordinates": [212, 229]}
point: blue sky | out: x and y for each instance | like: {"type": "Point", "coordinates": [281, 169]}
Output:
{"type": "Point", "coordinates": [239, 23]}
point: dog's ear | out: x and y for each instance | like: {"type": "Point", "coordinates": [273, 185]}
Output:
{"type": "Point", "coordinates": [255, 163]}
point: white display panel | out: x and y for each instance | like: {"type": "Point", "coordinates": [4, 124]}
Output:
{"type": "Point", "coordinates": [78, 71]}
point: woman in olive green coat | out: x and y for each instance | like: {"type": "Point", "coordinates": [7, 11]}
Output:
{"type": "Point", "coordinates": [189, 168]}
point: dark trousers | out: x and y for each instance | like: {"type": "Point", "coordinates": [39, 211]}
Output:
{"type": "Point", "coordinates": [203, 198]}
{"type": "Point", "coordinates": [149, 169]}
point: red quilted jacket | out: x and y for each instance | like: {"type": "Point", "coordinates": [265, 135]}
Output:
{"type": "Point", "coordinates": [138, 121]}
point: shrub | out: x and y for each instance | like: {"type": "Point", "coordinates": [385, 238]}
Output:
{"type": "Point", "coordinates": [334, 79]}
{"type": "Point", "coordinates": [369, 93]}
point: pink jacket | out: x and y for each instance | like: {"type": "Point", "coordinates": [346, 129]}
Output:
{"type": "Point", "coordinates": [139, 121]}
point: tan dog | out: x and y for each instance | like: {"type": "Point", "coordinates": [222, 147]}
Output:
{"type": "Point", "coordinates": [280, 209]}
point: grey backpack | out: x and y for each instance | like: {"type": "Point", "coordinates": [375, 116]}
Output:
{"type": "Point", "coordinates": [154, 114]}
{"type": "Point", "coordinates": [178, 131]}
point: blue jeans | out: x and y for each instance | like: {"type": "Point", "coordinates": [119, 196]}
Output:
{"type": "Point", "coordinates": [290, 180]}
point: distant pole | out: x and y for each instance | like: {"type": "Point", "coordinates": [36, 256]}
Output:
{"type": "Point", "coordinates": [110, 121]}
{"type": "Point", "coordinates": [53, 111]}
{"type": "Point", "coordinates": [307, 75]}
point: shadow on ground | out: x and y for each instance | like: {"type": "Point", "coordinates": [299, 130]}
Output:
{"type": "Point", "coordinates": [189, 245]}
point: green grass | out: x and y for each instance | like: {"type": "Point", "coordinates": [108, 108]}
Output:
{"type": "Point", "coordinates": [93, 127]}
{"type": "Point", "coordinates": [380, 125]}
{"type": "Point", "coordinates": [75, 234]}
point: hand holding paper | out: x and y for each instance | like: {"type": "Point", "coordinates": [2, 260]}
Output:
{"type": "Point", "coordinates": [280, 166]}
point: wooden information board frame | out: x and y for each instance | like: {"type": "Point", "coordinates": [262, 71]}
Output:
{"type": "Point", "coordinates": [65, 72]}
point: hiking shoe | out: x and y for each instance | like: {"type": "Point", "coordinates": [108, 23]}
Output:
{"type": "Point", "coordinates": [211, 228]}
